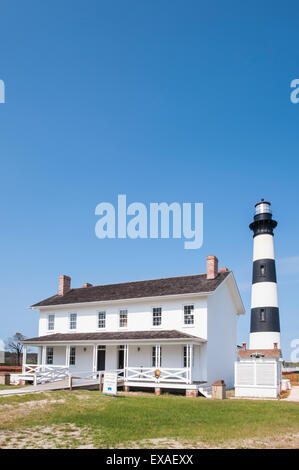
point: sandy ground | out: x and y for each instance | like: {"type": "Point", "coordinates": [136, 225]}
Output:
{"type": "Point", "coordinates": [70, 436]}
{"type": "Point", "coordinates": [272, 442]}
{"type": "Point", "coordinates": [49, 437]}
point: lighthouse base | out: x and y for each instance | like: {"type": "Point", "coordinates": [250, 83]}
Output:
{"type": "Point", "coordinates": [257, 377]}
{"type": "Point", "coordinates": [264, 340]}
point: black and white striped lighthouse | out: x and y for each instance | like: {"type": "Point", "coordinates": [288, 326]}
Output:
{"type": "Point", "coordinates": [264, 327]}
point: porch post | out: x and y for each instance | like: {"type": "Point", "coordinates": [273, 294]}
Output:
{"type": "Point", "coordinates": [67, 355]}
{"type": "Point", "coordinates": [126, 361]}
{"type": "Point", "coordinates": [44, 351]}
{"type": "Point", "coordinates": [39, 356]}
{"type": "Point", "coordinates": [158, 356]}
{"type": "Point", "coordinates": [191, 361]}
{"type": "Point", "coordinates": [24, 358]}
{"type": "Point", "coordinates": [94, 358]}
{"type": "Point", "coordinates": [187, 363]}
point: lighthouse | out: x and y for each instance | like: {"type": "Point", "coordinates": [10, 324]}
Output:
{"type": "Point", "coordinates": [264, 326]}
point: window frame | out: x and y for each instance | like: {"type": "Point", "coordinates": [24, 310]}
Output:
{"type": "Point", "coordinates": [51, 322]}
{"type": "Point", "coordinates": [49, 355]}
{"type": "Point", "coordinates": [262, 315]}
{"type": "Point", "coordinates": [190, 315]}
{"type": "Point", "coordinates": [102, 312]}
{"type": "Point", "coordinates": [156, 317]}
{"type": "Point", "coordinates": [72, 355]}
{"type": "Point", "coordinates": [154, 357]}
{"type": "Point", "coordinates": [123, 314]}
{"type": "Point", "coordinates": [72, 321]}
{"type": "Point", "coordinates": [185, 365]}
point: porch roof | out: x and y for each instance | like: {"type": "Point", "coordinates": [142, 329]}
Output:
{"type": "Point", "coordinates": [115, 336]}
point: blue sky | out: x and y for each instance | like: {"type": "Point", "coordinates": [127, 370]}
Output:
{"type": "Point", "coordinates": [161, 101]}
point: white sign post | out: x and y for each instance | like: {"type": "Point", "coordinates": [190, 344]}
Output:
{"type": "Point", "coordinates": [110, 383]}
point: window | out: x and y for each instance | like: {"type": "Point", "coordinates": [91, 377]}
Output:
{"type": "Point", "coordinates": [189, 314]}
{"type": "Point", "coordinates": [262, 270]}
{"type": "Point", "coordinates": [50, 354]}
{"type": "Point", "coordinates": [102, 320]}
{"type": "Point", "coordinates": [262, 315]}
{"type": "Point", "coordinates": [154, 357]}
{"type": "Point", "coordinates": [186, 361]}
{"type": "Point", "coordinates": [51, 321]}
{"type": "Point", "coordinates": [73, 321]}
{"type": "Point", "coordinates": [157, 316]}
{"type": "Point", "coordinates": [123, 318]}
{"type": "Point", "coordinates": [72, 356]}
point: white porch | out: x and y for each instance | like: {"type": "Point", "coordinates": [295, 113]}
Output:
{"type": "Point", "coordinates": [167, 364]}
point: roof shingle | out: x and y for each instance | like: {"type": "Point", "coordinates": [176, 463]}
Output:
{"type": "Point", "coordinates": [133, 290]}
{"type": "Point", "coordinates": [114, 335]}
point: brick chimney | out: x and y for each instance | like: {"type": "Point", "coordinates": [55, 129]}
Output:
{"type": "Point", "coordinates": [86, 284]}
{"type": "Point", "coordinates": [223, 270]}
{"type": "Point", "coordinates": [64, 284]}
{"type": "Point", "coordinates": [244, 346]}
{"type": "Point", "coordinates": [212, 267]}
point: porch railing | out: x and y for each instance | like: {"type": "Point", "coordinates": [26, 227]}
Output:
{"type": "Point", "coordinates": [44, 373]}
{"type": "Point", "coordinates": [90, 374]}
{"type": "Point", "coordinates": [50, 373]}
{"type": "Point", "coordinates": [147, 374]}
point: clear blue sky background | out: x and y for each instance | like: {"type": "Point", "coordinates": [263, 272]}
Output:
{"type": "Point", "coordinates": [162, 101]}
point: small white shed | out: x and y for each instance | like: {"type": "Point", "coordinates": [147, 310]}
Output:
{"type": "Point", "coordinates": [258, 373]}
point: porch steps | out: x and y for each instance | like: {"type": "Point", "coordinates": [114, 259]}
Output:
{"type": "Point", "coordinates": [205, 390]}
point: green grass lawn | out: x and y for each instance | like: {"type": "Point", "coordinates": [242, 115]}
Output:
{"type": "Point", "coordinates": [87, 417]}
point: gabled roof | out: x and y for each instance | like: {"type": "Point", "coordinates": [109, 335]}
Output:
{"type": "Point", "coordinates": [268, 353]}
{"type": "Point", "coordinates": [115, 336]}
{"type": "Point", "coordinates": [133, 290]}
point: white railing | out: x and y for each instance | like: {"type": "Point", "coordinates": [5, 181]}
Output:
{"type": "Point", "coordinates": [45, 373]}
{"type": "Point", "coordinates": [147, 374]}
{"type": "Point", "coordinates": [51, 373]}
{"type": "Point", "coordinates": [120, 374]}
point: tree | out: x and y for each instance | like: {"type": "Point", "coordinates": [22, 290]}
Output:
{"type": "Point", "coordinates": [14, 346]}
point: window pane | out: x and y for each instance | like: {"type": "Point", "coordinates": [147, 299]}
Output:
{"type": "Point", "coordinates": [102, 320]}
{"type": "Point", "coordinates": [51, 320]}
{"type": "Point", "coordinates": [186, 359]}
{"type": "Point", "coordinates": [73, 321]}
{"type": "Point", "coordinates": [50, 354]}
{"type": "Point", "coordinates": [157, 316]}
{"type": "Point", "coordinates": [189, 314]}
{"type": "Point", "coordinates": [72, 356]}
{"type": "Point", "coordinates": [262, 314]}
{"type": "Point", "coordinates": [123, 318]}
{"type": "Point", "coordinates": [154, 357]}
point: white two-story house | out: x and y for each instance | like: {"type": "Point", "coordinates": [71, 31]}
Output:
{"type": "Point", "coordinates": [178, 332]}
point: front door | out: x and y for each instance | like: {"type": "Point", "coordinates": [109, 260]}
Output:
{"type": "Point", "coordinates": [121, 358]}
{"type": "Point", "coordinates": [101, 359]}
